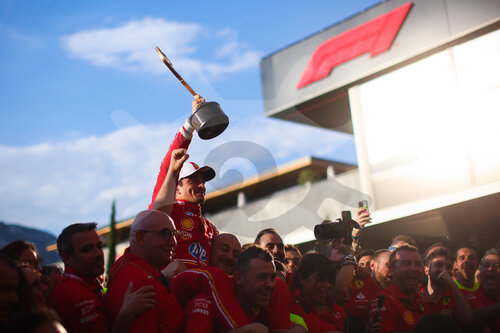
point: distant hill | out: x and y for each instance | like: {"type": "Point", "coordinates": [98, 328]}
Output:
{"type": "Point", "coordinates": [12, 232]}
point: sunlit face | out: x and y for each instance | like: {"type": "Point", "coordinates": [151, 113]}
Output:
{"type": "Point", "coordinates": [275, 245]}
{"type": "Point", "coordinates": [255, 287]}
{"type": "Point", "coordinates": [315, 292]}
{"type": "Point", "coordinates": [30, 258]}
{"type": "Point", "coordinates": [380, 268]}
{"type": "Point", "coordinates": [436, 267]}
{"type": "Point", "coordinates": [407, 271]}
{"type": "Point", "coordinates": [8, 296]}
{"type": "Point", "coordinates": [192, 189]}
{"type": "Point", "coordinates": [466, 263]}
{"type": "Point", "coordinates": [292, 261]}
{"type": "Point", "coordinates": [158, 240]}
{"type": "Point", "coordinates": [225, 251]}
{"type": "Point", "coordinates": [87, 257]}
{"type": "Point", "coordinates": [489, 274]}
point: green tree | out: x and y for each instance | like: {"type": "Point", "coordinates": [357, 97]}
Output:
{"type": "Point", "coordinates": [112, 237]}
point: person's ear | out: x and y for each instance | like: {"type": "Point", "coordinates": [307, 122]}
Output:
{"type": "Point", "coordinates": [238, 278]}
{"type": "Point", "coordinates": [139, 238]}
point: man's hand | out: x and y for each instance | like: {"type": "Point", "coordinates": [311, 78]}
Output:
{"type": "Point", "coordinates": [446, 278]}
{"type": "Point", "coordinates": [363, 218]}
{"type": "Point", "coordinates": [139, 301]}
{"type": "Point", "coordinates": [197, 102]}
{"type": "Point", "coordinates": [339, 250]}
{"type": "Point", "coordinates": [179, 156]}
{"type": "Point", "coordinates": [361, 273]}
{"type": "Point", "coordinates": [174, 268]}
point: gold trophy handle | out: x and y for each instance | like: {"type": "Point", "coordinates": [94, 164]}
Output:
{"type": "Point", "coordinates": [167, 62]}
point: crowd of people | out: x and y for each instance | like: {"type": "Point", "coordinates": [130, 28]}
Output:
{"type": "Point", "coordinates": [180, 274]}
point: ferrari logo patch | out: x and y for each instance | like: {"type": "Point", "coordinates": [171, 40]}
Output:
{"type": "Point", "coordinates": [359, 283]}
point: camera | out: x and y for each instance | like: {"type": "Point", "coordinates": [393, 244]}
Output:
{"type": "Point", "coordinates": [341, 227]}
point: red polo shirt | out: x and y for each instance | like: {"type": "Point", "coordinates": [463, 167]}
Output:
{"type": "Point", "coordinates": [166, 316]}
{"type": "Point", "coordinates": [363, 291]}
{"type": "Point", "coordinates": [398, 313]}
{"type": "Point", "coordinates": [318, 322]}
{"type": "Point", "coordinates": [478, 299]}
{"type": "Point", "coordinates": [218, 288]}
{"type": "Point", "coordinates": [445, 304]}
{"type": "Point", "coordinates": [79, 302]}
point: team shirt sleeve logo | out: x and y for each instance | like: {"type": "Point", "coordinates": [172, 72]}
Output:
{"type": "Point", "coordinates": [359, 283]}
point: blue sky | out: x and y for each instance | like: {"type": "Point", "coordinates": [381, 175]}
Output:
{"type": "Point", "coordinates": [87, 108]}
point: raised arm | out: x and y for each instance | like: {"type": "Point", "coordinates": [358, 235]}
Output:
{"type": "Point", "coordinates": [166, 196]}
{"type": "Point", "coordinates": [181, 140]}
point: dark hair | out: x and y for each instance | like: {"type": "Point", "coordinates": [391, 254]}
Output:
{"type": "Point", "coordinates": [252, 252]}
{"type": "Point", "coordinates": [31, 320]}
{"type": "Point", "coordinates": [392, 259]}
{"type": "Point", "coordinates": [367, 252]}
{"type": "Point", "coordinates": [466, 246]}
{"type": "Point", "coordinates": [291, 247]}
{"type": "Point", "coordinates": [314, 263]}
{"type": "Point", "coordinates": [378, 253]}
{"type": "Point", "coordinates": [406, 239]}
{"type": "Point", "coordinates": [438, 244]}
{"type": "Point", "coordinates": [64, 244]}
{"type": "Point", "coordinates": [263, 232]}
{"type": "Point", "coordinates": [441, 252]}
{"type": "Point", "coordinates": [14, 249]}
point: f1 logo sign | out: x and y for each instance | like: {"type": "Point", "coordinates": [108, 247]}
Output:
{"type": "Point", "coordinates": [374, 36]}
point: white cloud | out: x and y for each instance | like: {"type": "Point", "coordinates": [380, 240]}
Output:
{"type": "Point", "coordinates": [130, 47]}
{"type": "Point", "coordinates": [51, 185]}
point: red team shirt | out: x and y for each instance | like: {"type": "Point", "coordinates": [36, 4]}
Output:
{"type": "Point", "coordinates": [211, 299]}
{"type": "Point", "coordinates": [318, 322]}
{"type": "Point", "coordinates": [363, 291]}
{"type": "Point", "coordinates": [79, 303]}
{"type": "Point", "coordinates": [398, 313]}
{"type": "Point", "coordinates": [445, 304]}
{"type": "Point", "coordinates": [166, 316]}
{"type": "Point", "coordinates": [196, 232]}
{"type": "Point", "coordinates": [477, 299]}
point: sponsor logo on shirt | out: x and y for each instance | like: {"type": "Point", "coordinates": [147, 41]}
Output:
{"type": "Point", "coordinates": [189, 213]}
{"type": "Point", "coordinates": [187, 223]}
{"type": "Point", "coordinates": [408, 317]}
{"type": "Point", "coordinates": [197, 251]}
{"type": "Point", "coordinates": [359, 283]}
{"type": "Point", "coordinates": [185, 235]}
{"type": "Point", "coordinates": [360, 296]}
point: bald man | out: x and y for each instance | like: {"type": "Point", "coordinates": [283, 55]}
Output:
{"type": "Point", "coordinates": [225, 251]}
{"type": "Point", "coordinates": [152, 240]}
